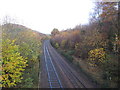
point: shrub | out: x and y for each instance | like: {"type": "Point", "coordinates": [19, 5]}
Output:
{"type": "Point", "coordinates": [96, 56]}
{"type": "Point", "coordinates": [56, 45]}
{"type": "Point", "coordinates": [67, 55]}
{"type": "Point", "coordinates": [63, 43]}
{"type": "Point", "coordinates": [111, 68]}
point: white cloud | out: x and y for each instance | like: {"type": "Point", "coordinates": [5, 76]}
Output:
{"type": "Point", "coordinates": [44, 15]}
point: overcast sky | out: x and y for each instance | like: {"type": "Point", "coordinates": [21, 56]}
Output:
{"type": "Point", "coordinates": [44, 15]}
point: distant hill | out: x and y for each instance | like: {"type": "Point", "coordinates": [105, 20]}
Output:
{"type": "Point", "coordinates": [16, 28]}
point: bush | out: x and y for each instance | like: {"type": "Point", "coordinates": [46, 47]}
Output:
{"type": "Point", "coordinates": [67, 55]}
{"type": "Point", "coordinates": [63, 43]}
{"type": "Point", "coordinates": [96, 56]}
{"type": "Point", "coordinates": [111, 68]}
{"type": "Point", "coordinates": [56, 45]}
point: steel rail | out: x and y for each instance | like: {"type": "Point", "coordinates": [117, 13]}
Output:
{"type": "Point", "coordinates": [70, 73]}
{"type": "Point", "coordinates": [48, 64]}
{"type": "Point", "coordinates": [54, 69]}
{"type": "Point", "coordinates": [47, 67]}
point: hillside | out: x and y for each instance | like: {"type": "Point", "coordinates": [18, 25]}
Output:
{"type": "Point", "coordinates": [21, 50]}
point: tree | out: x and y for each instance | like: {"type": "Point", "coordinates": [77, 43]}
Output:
{"type": "Point", "coordinates": [54, 32]}
{"type": "Point", "coordinates": [109, 16]}
{"type": "Point", "coordinates": [13, 64]}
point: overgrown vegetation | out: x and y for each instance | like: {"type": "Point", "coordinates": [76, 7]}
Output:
{"type": "Point", "coordinates": [21, 50]}
{"type": "Point", "coordinates": [96, 45]}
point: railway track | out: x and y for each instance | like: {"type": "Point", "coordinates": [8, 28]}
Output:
{"type": "Point", "coordinates": [68, 72]}
{"type": "Point", "coordinates": [53, 78]}
{"type": "Point", "coordinates": [57, 73]}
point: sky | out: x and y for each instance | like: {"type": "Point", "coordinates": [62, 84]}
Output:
{"type": "Point", "coordinates": [45, 15]}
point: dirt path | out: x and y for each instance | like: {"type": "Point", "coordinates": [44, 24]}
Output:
{"type": "Point", "coordinates": [57, 73]}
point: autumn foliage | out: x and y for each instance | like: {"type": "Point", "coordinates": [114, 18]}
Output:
{"type": "Point", "coordinates": [97, 43]}
{"type": "Point", "coordinates": [96, 57]}
{"type": "Point", "coordinates": [21, 49]}
{"type": "Point", "coordinates": [13, 64]}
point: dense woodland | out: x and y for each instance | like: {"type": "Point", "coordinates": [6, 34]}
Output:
{"type": "Point", "coordinates": [95, 47]}
{"type": "Point", "coordinates": [21, 50]}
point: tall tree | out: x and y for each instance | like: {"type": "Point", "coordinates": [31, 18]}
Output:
{"type": "Point", "coordinates": [55, 31]}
